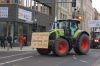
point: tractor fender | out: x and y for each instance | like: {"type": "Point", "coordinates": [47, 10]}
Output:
{"type": "Point", "coordinates": [78, 33]}
{"type": "Point", "coordinates": [83, 32]}
{"type": "Point", "coordinates": [77, 36]}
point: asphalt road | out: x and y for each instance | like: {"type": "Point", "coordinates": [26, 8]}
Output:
{"type": "Point", "coordinates": [32, 58]}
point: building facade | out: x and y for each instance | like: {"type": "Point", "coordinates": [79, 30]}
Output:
{"type": "Point", "coordinates": [86, 12]}
{"type": "Point", "coordinates": [21, 17]}
{"type": "Point", "coordinates": [88, 15]}
{"type": "Point", "coordinates": [44, 14]}
{"type": "Point", "coordinates": [15, 21]}
{"type": "Point", "coordinates": [63, 9]}
{"type": "Point", "coordinates": [96, 15]}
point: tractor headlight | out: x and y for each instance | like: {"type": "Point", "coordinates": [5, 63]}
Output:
{"type": "Point", "coordinates": [96, 40]}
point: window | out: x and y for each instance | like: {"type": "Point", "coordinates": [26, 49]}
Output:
{"type": "Point", "coordinates": [16, 1]}
{"type": "Point", "coordinates": [41, 8]}
{"type": "Point", "coordinates": [62, 25]}
{"type": "Point", "coordinates": [8, 1]}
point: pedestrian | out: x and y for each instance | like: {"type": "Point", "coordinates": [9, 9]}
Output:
{"type": "Point", "coordinates": [25, 40]}
{"type": "Point", "coordinates": [2, 41]}
{"type": "Point", "coordinates": [21, 41]}
{"type": "Point", "coordinates": [9, 39]}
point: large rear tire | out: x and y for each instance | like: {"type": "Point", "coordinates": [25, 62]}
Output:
{"type": "Point", "coordinates": [82, 45]}
{"type": "Point", "coordinates": [60, 47]}
{"type": "Point", "coordinates": [42, 51]}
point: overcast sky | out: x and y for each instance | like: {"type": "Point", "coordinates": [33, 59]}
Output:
{"type": "Point", "coordinates": [96, 4]}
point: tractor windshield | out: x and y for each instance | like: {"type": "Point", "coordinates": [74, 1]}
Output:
{"type": "Point", "coordinates": [60, 25]}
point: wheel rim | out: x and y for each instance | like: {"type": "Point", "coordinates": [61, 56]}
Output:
{"type": "Point", "coordinates": [62, 48]}
{"type": "Point", "coordinates": [84, 44]}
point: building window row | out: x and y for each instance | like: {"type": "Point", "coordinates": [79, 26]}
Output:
{"type": "Point", "coordinates": [63, 3]}
{"type": "Point", "coordinates": [63, 16]}
{"type": "Point", "coordinates": [42, 8]}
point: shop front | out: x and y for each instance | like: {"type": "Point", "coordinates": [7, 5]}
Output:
{"type": "Point", "coordinates": [15, 21]}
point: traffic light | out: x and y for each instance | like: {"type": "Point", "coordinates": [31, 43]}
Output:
{"type": "Point", "coordinates": [73, 3]}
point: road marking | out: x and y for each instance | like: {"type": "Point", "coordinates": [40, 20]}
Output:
{"type": "Point", "coordinates": [15, 55]}
{"type": "Point", "coordinates": [15, 60]}
{"type": "Point", "coordinates": [83, 61]}
{"type": "Point", "coordinates": [74, 57]}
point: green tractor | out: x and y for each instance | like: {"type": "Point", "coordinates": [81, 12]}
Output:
{"type": "Point", "coordinates": [65, 35]}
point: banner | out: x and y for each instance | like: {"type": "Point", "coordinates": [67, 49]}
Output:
{"type": "Point", "coordinates": [40, 40]}
{"type": "Point", "coordinates": [94, 23]}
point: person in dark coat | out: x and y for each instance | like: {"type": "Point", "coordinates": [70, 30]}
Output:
{"type": "Point", "coordinates": [2, 41]}
{"type": "Point", "coordinates": [9, 39]}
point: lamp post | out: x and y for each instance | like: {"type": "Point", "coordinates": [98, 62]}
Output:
{"type": "Point", "coordinates": [74, 8]}
{"type": "Point", "coordinates": [34, 19]}
{"type": "Point", "coordinates": [81, 12]}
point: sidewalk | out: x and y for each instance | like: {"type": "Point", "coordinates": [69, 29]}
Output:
{"type": "Point", "coordinates": [25, 48]}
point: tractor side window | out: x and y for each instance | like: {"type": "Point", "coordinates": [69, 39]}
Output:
{"type": "Point", "coordinates": [62, 25]}
{"type": "Point", "coordinates": [66, 24]}
{"type": "Point", "coordinates": [55, 25]}
{"type": "Point", "coordinates": [73, 25]}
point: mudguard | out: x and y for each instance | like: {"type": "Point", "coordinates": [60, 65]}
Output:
{"type": "Point", "coordinates": [78, 33]}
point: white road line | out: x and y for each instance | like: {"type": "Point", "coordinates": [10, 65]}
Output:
{"type": "Point", "coordinates": [74, 57]}
{"type": "Point", "coordinates": [83, 61]}
{"type": "Point", "coordinates": [15, 55]}
{"type": "Point", "coordinates": [15, 60]}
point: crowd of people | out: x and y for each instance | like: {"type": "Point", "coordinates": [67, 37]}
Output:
{"type": "Point", "coordinates": [5, 41]}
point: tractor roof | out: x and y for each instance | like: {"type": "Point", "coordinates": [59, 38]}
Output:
{"type": "Point", "coordinates": [69, 20]}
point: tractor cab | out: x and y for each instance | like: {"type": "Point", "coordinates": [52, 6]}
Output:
{"type": "Point", "coordinates": [69, 26]}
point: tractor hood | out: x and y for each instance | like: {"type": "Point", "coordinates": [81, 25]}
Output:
{"type": "Point", "coordinates": [58, 32]}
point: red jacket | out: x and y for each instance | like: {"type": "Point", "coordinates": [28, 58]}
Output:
{"type": "Point", "coordinates": [21, 40]}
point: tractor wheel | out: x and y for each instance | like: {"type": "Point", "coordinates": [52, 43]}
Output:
{"type": "Point", "coordinates": [82, 45]}
{"type": "Point", "coordinates": [43, 51]}
{"type": "Point", "coordinates": [60, 47]}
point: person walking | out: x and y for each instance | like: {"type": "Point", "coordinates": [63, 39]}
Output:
{"type": "Point", "coordinates": [2, 41]}
{"type": "Point", "coordinates": [21, 41]}
{"type": "Point", "coordinates": [9, 39]}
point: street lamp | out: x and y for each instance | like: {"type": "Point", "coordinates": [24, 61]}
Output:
{"type": "Point", "coordinates": [79, 17]}
{"type": "Point", "coordinates": [74, 9]}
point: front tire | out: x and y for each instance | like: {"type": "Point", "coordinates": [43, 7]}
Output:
{"type": "Point", "coordinates": [60, 47]}
{"type": "Point", "coordinates": [82, 45]}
